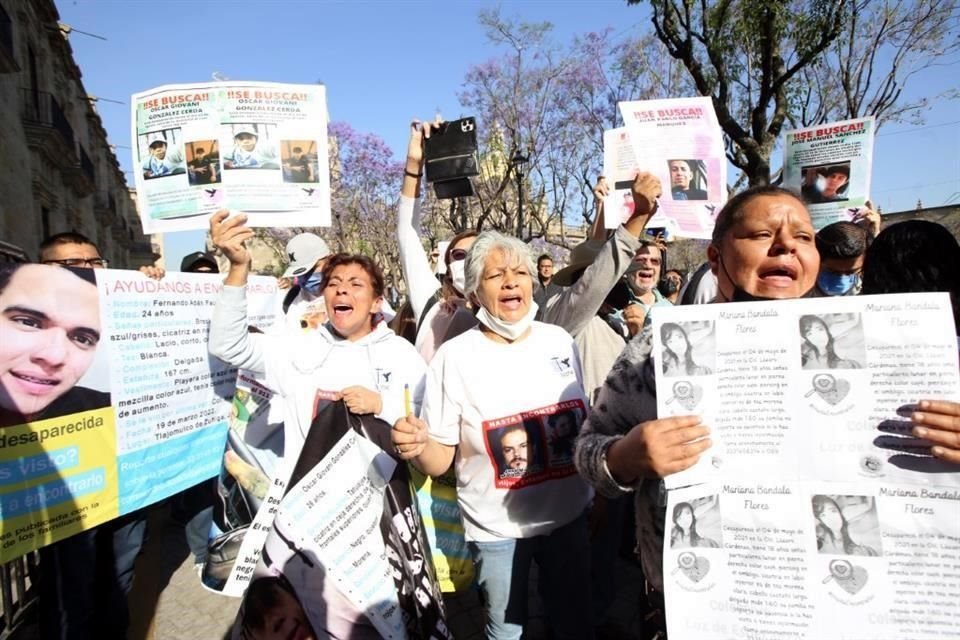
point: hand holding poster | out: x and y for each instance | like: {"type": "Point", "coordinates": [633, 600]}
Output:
{"type": "Point", "coordinates": [830, 166]}
{"type": "Point", "coordinates": [252, 146]}
{"type": "Point", "coordinates": [821, 515]}
{"type": "Point", "coordinates": [108, 399]}
{"type": "Point", "coordinates": [680, 142]}
{"type": "Point", "coordinates": [348, 538]}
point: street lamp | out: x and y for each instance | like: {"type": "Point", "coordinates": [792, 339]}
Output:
{"type": "Point", "coordinates": [518, 162]}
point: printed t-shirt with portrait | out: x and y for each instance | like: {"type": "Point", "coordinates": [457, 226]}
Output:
{"type": "Point", "coordinates": [515, 411]}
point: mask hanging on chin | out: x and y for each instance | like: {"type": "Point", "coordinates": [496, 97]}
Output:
{"type": "Point", "coordinates": [457, 274]}
{"type": "Point", "coordinates": [740, 295]}
{"type": "Point", "coordinates": [509, 330]}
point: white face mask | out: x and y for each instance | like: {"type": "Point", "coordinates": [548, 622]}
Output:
{"type": "Point", "coordinates": [457, 275]}
{"type": "Point", "coordinates": [509, 330]}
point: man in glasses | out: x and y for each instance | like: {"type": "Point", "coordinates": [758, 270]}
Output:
{"type": "Point", "coordinates": [72, 249]}
{"type": "Point", "coordinates": [87, 577]}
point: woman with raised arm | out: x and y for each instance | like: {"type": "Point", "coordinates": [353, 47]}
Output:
{"type": "Point", "coordinates": [439, 307]}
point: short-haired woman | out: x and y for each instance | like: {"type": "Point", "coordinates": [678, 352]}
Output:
{"type": "Point", "coordinates": [490, 394]}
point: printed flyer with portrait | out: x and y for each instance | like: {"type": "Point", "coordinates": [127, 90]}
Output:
{"type": "Point", "coordinates": [679, 141]}
{"type": "Point", "coordinates": [110, 401]}
{"type": "Point", "coordinates": [347, 539]}
{"type": "Point", "coordinates": [830, 165]}
{"type": "Point", "coordinates": [255, 147]}
{"type": "Point", "coordinates": [815, 506]}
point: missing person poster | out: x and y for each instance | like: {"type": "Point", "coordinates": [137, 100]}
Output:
{"type": "Point", "coordinates": [109, 401]}
{"type": "Point", "coordinates": [255, 147]}
{"type": "Point", "coordinates": [812, 560]}
{"type": "Point", "coordinates": [814, 388]}
{"type": "Point", "coordinates": [347, 543]}
{"type": "Point", "coordinates": [830, 166]}
{"type": "Point", "coordinates": [679, 141]}
{"type": "Point", "coordinates": [815, 513]}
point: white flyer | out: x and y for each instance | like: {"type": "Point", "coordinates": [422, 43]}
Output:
{"type": "Point", "coordinates": [812, 560]}
{"type": "Point", "coordinates": [809, 389]}
{"type": "Point", "coordinates": [255, 147]}
{"type": "Point", "coordinates": [680, 142]}
{"type": "Point", "coordinates": [830, 166]}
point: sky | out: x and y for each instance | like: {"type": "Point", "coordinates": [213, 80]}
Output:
{"type": "Point", "coordinates": [386, 61]}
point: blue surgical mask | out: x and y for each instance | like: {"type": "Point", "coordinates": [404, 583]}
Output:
{"type": "Point", "coordinates": [838, 284]}
{"type": "Point", "coordinates": [312, 284]}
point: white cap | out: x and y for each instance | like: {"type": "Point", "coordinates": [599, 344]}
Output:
{"type": "Point", "coordinates": [304, 250]}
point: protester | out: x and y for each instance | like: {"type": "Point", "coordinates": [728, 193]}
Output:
{"type": "Point", "coordinates": [762, 249]}
{"type": "Point", "coordinates": [199, 262]}
{"type": "Point", "coordinates": [72, 249]}
{"type": "Point", "coordinates": [547, 287]}
{"type": "Point", "coordinates": [482, 384]}
{"type": "Point", "coordinates": [86, 578]}
{"type": "Point", "coordinates": [596, 265]}
{"type": "Point", "coordinates": [302, 304]}
{"type": "Point", "coordinates": [353, 356]}
{"type": "Point", "coordinates": [842, 246]}
{"type": "Point", "coordinates": [440, 308]}
{"type": "Point", "coordinates": [701, 288]}
{"type": "Point", "coordinates": [911, 257]}
{"type": "Point", "coordinates": [670, 285]}
{"type": "Point", "coordinates": [642, 276]}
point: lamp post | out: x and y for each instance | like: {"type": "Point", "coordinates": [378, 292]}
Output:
{"type": "Point", "coordinates": [518, 162]}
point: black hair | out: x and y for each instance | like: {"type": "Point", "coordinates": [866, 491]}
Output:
{"type": "Point", "coordinates": [842, 240]}
{"type": "Point", "coordinates": [66, 237]}
{"type": "Point", "coordinates": [544, 256]}
{"type": "Point", "coordinates": [914, 256]}
{"type": "Point", "coordinates": [297, 150]}
{"type": "Point", "coordinates": [368, 265]}
{"type": "Point", "coordinates": [732, 212]}
{"type": "Point", "coordinates": [199, 150]}
{"type": "Point", "coordinates": [8, 269]}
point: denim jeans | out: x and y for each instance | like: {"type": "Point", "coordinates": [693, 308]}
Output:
{"type": "Point", "coordinates": [563, 559]}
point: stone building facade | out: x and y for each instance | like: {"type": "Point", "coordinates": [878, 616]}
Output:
{"type": "Point", "coordinates": [57, 169]}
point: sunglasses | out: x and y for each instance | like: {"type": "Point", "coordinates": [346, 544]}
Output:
{"type": "Point", "coordinates": [458, 254]}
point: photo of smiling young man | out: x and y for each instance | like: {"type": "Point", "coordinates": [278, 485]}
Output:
{"type": "Point", "coordinates": [49, 332]}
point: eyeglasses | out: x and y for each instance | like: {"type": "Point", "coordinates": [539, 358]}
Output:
{"type": "Point", "coordinates": [93, 263]}
{"type": "Point", "coordinates": [458, 254]}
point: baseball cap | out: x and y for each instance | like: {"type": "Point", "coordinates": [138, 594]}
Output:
{"type": "Point", "coordinates": [245, 130]}
{"type": "Point", "coordinates": [304, 250]}
{"type": "Point", "coordinates": [158, 142]}
{"type": "Point", "coordinates": [195, 259]}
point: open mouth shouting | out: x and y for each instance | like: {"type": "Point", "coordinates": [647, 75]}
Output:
{"type": "Point", "coordinates": [342, 310]}
{"type": "Point", "coordinates": [781, 274]}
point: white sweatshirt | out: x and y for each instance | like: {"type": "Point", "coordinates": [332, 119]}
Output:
{"type": "Point", "coordinates": [306, 368]}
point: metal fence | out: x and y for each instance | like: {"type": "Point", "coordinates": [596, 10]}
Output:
{"type": "Point", "coordinates": [18, 597]}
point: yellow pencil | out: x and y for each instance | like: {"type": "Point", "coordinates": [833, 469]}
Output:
{"type": "Point", "coordinates": [407, 403]}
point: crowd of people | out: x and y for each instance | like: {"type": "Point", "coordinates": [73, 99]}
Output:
{"type": "Point", "coordinates": [537, 387]}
